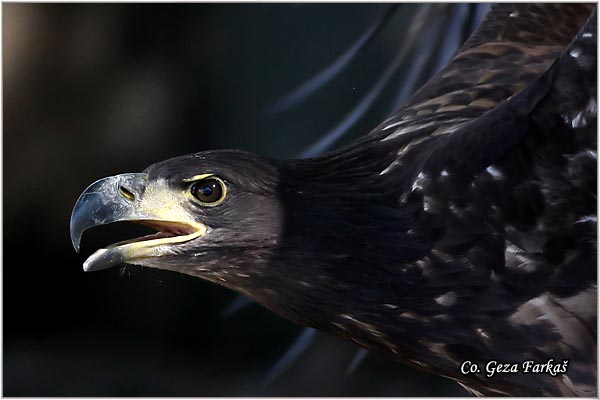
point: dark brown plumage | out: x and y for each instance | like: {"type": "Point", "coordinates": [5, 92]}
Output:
{"type": "Point", "coordinates": [462, 229]}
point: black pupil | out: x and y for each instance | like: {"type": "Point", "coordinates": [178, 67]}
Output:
{"type": "Point", "coordinates": [208, 191]}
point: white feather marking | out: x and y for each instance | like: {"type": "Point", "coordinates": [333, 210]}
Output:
{"type": "Point", "coordinates": [511, 249]}
{"type": "Point", "coordinates": [579, 121]}
{"type": "Point", "coordinates": [412, 315]}
{"type": "Point", "coordinates": [495, 277]}
{"type": "Point", "coordinates": [390, 167]}
{"type": "Point", "coordinates": [494, 172]}
{"type": "Point", "coordinates": [587, 35]}
{"type": "Point", "coordinates": [418, 183]}
{"type": "Point", "coordinates": [426, 203]}
{"type": "Point", "coordinates": [444, 173]}
{"type": "Point", "coordinates": [447, 299]}
{"type": "Point", "coordinates": [408, 129]}
{"type": "Point", "coordinates": [454, 208]}
{"type": "Point", "coordinates": [436, 348]}
{"type": "Point", "coordinates": [515, 258]}
{"type": "Point", "coordinates": [417, 362]}
{"type": "Point", "coordinates": [363, 325]}
{"type": "Point", "coordinates": [587, 218]}
{"type": "Point", "coordinates": [482, 333]}
{"type": "Point", "coordinates": [348, 317]}
{"type": "Point", "coordinates": [576, 52]}
{"type": "Point", "coordinates": [392, 125]}
{"type": "Point", "coordinates": [514, 14]}
{"type": "Point", "coordinates": [591, 107]}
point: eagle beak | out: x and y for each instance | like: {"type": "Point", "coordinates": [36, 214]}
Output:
{"type": "Point", "coordinates": [130, 197]}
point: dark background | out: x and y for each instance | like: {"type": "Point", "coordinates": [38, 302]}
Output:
{"type": "Point", "coordinates": [92, 90]}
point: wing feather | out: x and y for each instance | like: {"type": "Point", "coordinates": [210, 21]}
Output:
{"type": "Point", "coordinates": [516, 192]}
{"type": "Point", "coordinates": [513, 46]}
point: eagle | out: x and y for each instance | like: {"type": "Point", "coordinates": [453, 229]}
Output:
{"type": "Point", "coordinates": [458, 236]}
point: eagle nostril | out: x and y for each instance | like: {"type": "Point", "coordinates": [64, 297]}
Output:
{"type": "Point", "coordinates": [126, 193]}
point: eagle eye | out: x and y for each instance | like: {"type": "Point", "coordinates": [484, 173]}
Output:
{"type": "Point", "coordinates": [210, 191]}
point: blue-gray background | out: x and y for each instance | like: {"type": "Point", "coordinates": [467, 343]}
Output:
{"type": "Point", "coordinates": [101, 89]}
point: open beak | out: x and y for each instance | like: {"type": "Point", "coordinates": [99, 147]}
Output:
{"type": "Point", "coordinates": [130, 197]}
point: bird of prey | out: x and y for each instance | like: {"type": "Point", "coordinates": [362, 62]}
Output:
{"type": "Point", "coordinates": [458, 236]}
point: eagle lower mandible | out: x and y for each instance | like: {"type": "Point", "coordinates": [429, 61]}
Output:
{"type": "Point", "coordinates": [459, 232]}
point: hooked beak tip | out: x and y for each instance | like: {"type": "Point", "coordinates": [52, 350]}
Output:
{"type": "Point", "coordinates": [76, 244]}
